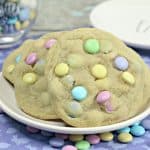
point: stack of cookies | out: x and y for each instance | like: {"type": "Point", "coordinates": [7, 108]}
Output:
{"type": "Point", "coordinates": [85, 77]}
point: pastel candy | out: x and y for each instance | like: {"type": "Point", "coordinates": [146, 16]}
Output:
{"type": "Point", "coordinates": [75, 138]}
{"type": "Point", "coordinates": [108, 106]}
{"type": "Point", "coordinates": [121, 63]}
{"type": "Point", "coordinates": [107, 136]}
{"type": "Point", "coordinates": [146, 124]}
{"type": "Point", "coordinates": [103, 96]}
{"type": "Point", "coordinates": [93, 139]}
{"type": "Point", "coordinates": [99, 71]}
{"type": "Point", "coordinates": [79, 93]}
{"type": "Point", "coordinates": [82, 145]}
{"type": "Point", "coordinates": [56, 142]}
{"type": "Point", "coordinates": [39, 66]}
{"type": "Point", "coordinates": [62, 136]}
{"type": "Point", "coordinates": [10, 68]}
{"type": "Point", "coordinates": [69, 147]}
{"type": "Point", "coordinates": [61, 69]}
{"type": "Point", "coordinates": [12, 20]}
{"type": "Point", "coordinates": [125, 137]}
{"type": "Point", "coordinates": [32, 130]}
{"type": "Point", "coordinates": [50, 43]}
{"type": "Point", "coordinates": [31, 59]}
{"type": "Point", "coordinates": [128, 78]}
{"type": "Point", "coordinates": [106, 46]}
{"type": "Point", "coordinates": [74, 109]}
{"type": "Point", "coordinates": [24, 14]}
{"type": "Point", "coordinates": [46, 133]}
{"type": "Point", "coordinates": [92, 46]}
{"type": "Point", "coordinates": [29, 78]}
{"type": "Point", "coordinates": [136, 123]}
{"type": "Point", "coordinates": [18, 25]}
{"type": "Point", "coordinates": [18, 58]}
{"type": "Point", "coordinates": [25, 24]}
{"type": "Point", "coordinates": [126, 129]}
{"type": "Point", "coordinates": [137, 130]}
{"type": "Point", "coordinates": [68, 80]}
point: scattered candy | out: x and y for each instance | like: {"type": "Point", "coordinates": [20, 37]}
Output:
{"type": "Point", "coordinates": [128, 78]}
{"type": "Point", "coordinates": [18, 58]}
{"type": "Point", "coordinates": [82, 145]}
{"type": "Point", "coordinates": [136, 123]}
{"type": "Point", "coordinates": [125, 137]}
{"type": "Point", "coordinates": [61, 69]}
{"type": "Point", "coordinates": [126, 129]}
{"type": "Point", "coordinates": [79, 93]}
{"type": "Point", "coordinates": [93, 139]}
{"type": "Point", "coordinates": [31, 59]}
{"type": "Point", "coordinates": [146, 124]}
{"type": "Point", "coordinates": [39, 66]}
{"type": "Point", "coordinates": [32, 130]}
{"type": "Point", "coordinates": [30, 78]}
{"type": "Point", "coordinates": [69, 147]}
{"type": "Point", "coordinates": [12, 20]}
{"type": "Point", "coordinates": [56, 142]}
{"type": "Point", "coordinates": [75, 138]}
{"type": "Point", "coordinates": [107, 136]}
{"type": "Point", "coordinates": [62, 136]}
{"type": "Point", "coordinates": [10, 68]}
{"type": "Point", "coordinates": [68, 80]}
{"type": "Point", "coordinates": [137, 130]}
{"type": "Point", "coordinates": [92, 46]}
{"type": "Point", "coordinates": [46, 133]}
{"type": "Point", "coordinates": [106, 46]}
{"type": "Point", "coordinates": [75, 60]}
{"type": "Point", "coordinates": [74, 109]}
{"type": "Point", "coordinates": [103, 96]}
{"type": "Point", "coordinates": [108, 106]}
{"type": "Point", "coordinates": [99, 71]}
{"type": "Point", "coordinates": [121, 63]}
{"type": "Point", "coordinates": [50, 43]}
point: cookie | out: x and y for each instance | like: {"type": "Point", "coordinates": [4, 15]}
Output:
{"type": "Point", "coordinates": [95, 79]}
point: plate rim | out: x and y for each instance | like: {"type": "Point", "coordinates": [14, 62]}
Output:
{"type": "Point", "coordinates": [70, 130]}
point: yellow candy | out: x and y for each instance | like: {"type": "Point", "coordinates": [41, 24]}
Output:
{"type": "Point", "coordinates": [18, 25]}
{"type": "Point", "coordinates": [25, 24]}
{"type": "Point", "coordinates": [99, 71]}
{"type": "Point", "coordinates": [61, 69]}
{"type": "Point", "coordinates": [125, 137]}
{"type": "Point", "coordinates": [107, 136]}
{"type": "Point", "coordinates": [128, 78]}
{"type": "Point", "coordinates": [29, 78]}
{"type": "Point", "coordinates": [75, 138]}
{"type": "Point", "coordinates": [10, 68]}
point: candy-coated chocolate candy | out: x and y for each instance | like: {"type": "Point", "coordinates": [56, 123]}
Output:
{"type": "Point", "coordinates": [136, 123]}
{"type": "Point", "coordinates": [30, 78]}
{"type": "Point", "coordinates": [62, 136]}
{"type": "Point", "coordinates": [103, 96]}
{"type": "Point", "coordinates": [146, 124]}
{"type": "Point", "coordinates": [24, 14]}
{"type": "Point", "coordinates": [79, 93]}
{"type": "Point", "coordinates": [92, 46]}
{"type": "Point", "coordinates": [125, 137]}
{"type": "Point", "coordinates": [121, 63]}
{"type": "Point", "coordinates": [18, 25]}
{"type": "Point", "coordinates": [82, 145]}
{"type": "Point", "coordinates": [126, 129]}
{"type": "Point", "coordinates": [56, 142]}
{"type": "Point", "coordinates": [137, 130]}
{"type": "Point", "coordinates": [99, 71]}
{"type": "Point", "coordinates": [69, 147]}
{"type": "Point", "coordinates": [10, 68]}
{"type": "Point", "coordinates": [40, 66]}
{"type": "Point", "coordinates": [31, 59]}
{"type": "Point", "coordinates": [74, 109]}
{"type": "Point", "coordinates": [106, 46]}
{"type": "Point", "coordinates": [18, 58]}
{"type": "Point", "coordinates": [107, 136]}
{"type": "Point", "coordinates": [108, 106]}
{"type": "Point", "coordinates": [25, 24]}
{"type": "Point", "coordinates": [93, 139]}
{"type": "Point", "coordinates": [128, 78]}
{"type": "Point", "coordinates": [46, 133]}
{"type": "Point", "coordinates": [75, 138]}
{"type": "Point", "coordinates": [12, 20]}
{"type": "Point", "coordinates": [68, 80]}
{"type": "Point", "coordinates": [32, 130]}
{"type": "Point", "coordinates": [61, 69]}
{"type": "Point", "coordinates": [50, 43]}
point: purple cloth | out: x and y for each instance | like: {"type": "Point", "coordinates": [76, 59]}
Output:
{"type": "Point", "coordinates": [13, 135]}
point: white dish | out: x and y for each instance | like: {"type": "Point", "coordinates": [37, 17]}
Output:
{"type": "Point", "coordinates": [9, 106]}
{"type": "Point", "coordinates": [127, 19]}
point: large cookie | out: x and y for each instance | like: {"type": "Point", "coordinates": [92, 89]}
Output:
{"type": "Point", "coordinates": [29, 78]}
{"type": "Point", "coordinates": [95, 79]}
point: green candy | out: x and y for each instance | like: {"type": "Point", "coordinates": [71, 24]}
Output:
{"type": "Point", "coordinates": [83, 145]}
{"type": "Point", "coordinates": [92, 46]}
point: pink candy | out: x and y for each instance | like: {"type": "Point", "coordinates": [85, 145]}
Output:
{"type": "Point", "coordinates": [32, 130]}
{"type": "Point", "coordinates": [31, 59]}
{"type": "Point", "coordinates": [50, 43]}
{"type": "Point", "coordinates": [62, 136]}
{"type": "Point", "coordinates": [93, 139]}
{"type": "Point", "coordinates": [108, 107]}
{"type": "Point", "coordinates": [69, 147]}
{"type": "Point", "coordinates": [103, 96]}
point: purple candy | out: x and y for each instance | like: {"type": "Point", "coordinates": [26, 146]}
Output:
{"type": "Point", "coordinates": [56, 142]}
{"type": "Point", "coordinates": [31, 59]}
{"type": "Point", "coordinates": [146, 124]}
{"type": "Point", "coordinates": [32, 130]}
{"type": "Point", "coordinates": [62, 136]}
{"type": "Point", "coordinates": [50, 43]}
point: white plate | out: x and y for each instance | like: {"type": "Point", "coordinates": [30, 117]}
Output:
{"type": "Point", "coordinates": [9, 106]}
{"type": "Point", "coordinates": [127, 19]}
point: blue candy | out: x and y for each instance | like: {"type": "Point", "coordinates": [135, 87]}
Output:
{"type": "Point", "coordinates": [24, 14]}
{"type": "Point", "coordinates": [137, 130]}
{"type": "Point", "coordinates": [12, 20]}
{"type": "Point", "coordinates": [121, 63]}
{"type": "Point", "coordinates": [79, 93]}
{"type": "Point", "coordinates": [18, 58]}
{"type": "Point", "coordinates": [146, 124]}
{"type": "Point", "coordinates": [136, 123]}
{"type": "Point", "coordinates": [56, 142]}
{"type": "Point", "coordinates": [126, 129]}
